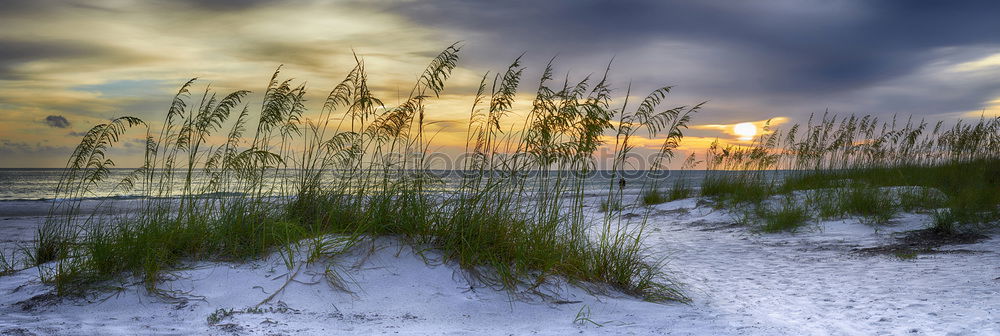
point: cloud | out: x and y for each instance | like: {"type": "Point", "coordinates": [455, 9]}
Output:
{"type": "Point", "coordinates": [814, 46]}
{"type": "Point", "coordinates": [56, 121]}
{"type": "Point", "coordinates": [32, 154]}
{"type": "Point", "coordinates": [753, 60]}
{"type": "Point", "coordinates": [8, 147]}
{"type": "Point", "coordinates": [53, 58]}
{"type": "Point", "coordinates": [14, 53]}
{"type": "Point", "coordinates": [228, 5]}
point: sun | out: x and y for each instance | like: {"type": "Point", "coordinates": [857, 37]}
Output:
{"type": "Point", "coordinates": [745, 131]}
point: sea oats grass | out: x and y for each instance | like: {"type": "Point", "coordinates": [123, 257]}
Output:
{"type": "Point", "coordinates": [864, 167]}
{"type": "Point", "coordinates": [222, 183]}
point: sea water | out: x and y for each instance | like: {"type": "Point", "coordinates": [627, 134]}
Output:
{"type": "Point", "coordinates": [40, 184]}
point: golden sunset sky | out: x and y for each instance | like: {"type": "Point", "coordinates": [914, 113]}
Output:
{"type": "Point", "coordinates": [67, 65]}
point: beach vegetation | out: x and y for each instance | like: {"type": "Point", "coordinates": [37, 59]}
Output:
{"type": "Point", "coordinates": [232, 179]}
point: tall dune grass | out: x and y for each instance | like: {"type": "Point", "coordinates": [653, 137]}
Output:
{"type": "Point", "coordinates": [358, 169]}
{"type": "Point", "coordinates": [855, 163]}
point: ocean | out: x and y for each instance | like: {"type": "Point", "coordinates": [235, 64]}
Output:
{"type": "Point", "coordinates": [40, 184]}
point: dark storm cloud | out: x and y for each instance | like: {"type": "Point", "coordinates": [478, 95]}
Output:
{"type": "Point", "coordinates": [20, 51]}
{"type": "Point", "coordinates": [808, 46]}
{"type": "Point", "coordinates": [71, 55]}
{"type": "Point", "coordinates": [56, 121]}
{"type": "Point", "coordinates": [226, 5]}
{"type": "Point", "coordinates": [15, 52]}
{"type": "Point", "coordinates": [11, 7]}
{"type": "Point", "coordinates": [15, 7]}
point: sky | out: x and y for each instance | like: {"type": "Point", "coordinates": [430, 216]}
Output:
{"type": "Point", "coordinates": [68, 65]}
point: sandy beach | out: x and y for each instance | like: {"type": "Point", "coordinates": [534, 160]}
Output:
{"type": "Point", "coordinates": [560, 167]}
{"type": "Point", "coordinates": [815, 282]}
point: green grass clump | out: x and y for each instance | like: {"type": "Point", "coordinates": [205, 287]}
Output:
{"type": "Point", "coordinates": [826, 204]}
{"type": "Point", "coordinates": [957, 220]}
{"type": "Point", "coordinates": [921, 199]}
{"type": "Point", "coordinates": [680, 190]}
{"type": "Point", "coordinates": [873, 205]}
{"type": "Point", "coordinates": [789, 216]}
{"type": "Point", "coordinates": [654, 196]}
{"type": "Point", "coordinates": [358, 169]}
{"type": "Point", "coordinates": [947, 221]}
{"type": "Point", "coordinates": [737, 189]}
{"type": "Point", "coordinates": [8, 264]}
{"type": "Point", "coordinates": [966, 189]}
{"type": "Point", "coordinates": [853, 166]}
{"type": "Point", "coordinates": [605, 206]}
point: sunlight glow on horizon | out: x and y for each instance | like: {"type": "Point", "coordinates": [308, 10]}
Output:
{"type": "Point", "coordinates": [745, 130]}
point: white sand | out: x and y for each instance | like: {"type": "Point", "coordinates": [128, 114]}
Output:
{"type": "Point", "coordinates": [741, 283]}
